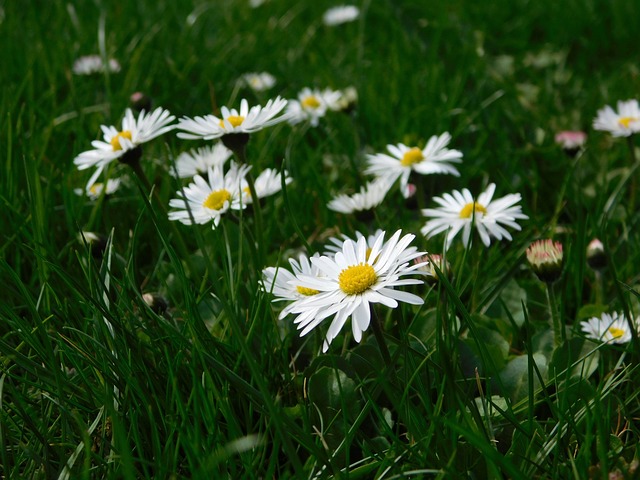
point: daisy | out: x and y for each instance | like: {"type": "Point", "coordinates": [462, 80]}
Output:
{"type": "Point", "coordinates": [246, 120]}
{"type": "Point", "coordinates": [283, 285]}
{"type": "Point", "coordinates": [119, 144]}
{"type": "Point", "coordinates": [460, 211]}
{"type": "Point", "coordinates": [266, 184]}
{"type": "Point", "coordinates": [95, 191]}
{"type": "Point", "coordinates": [623, 123]}
{"type": "Point", "coordinates": [609, 328]}
{"type": "Point", "coordinates": [339, 15]}
{"type": "Point", "coordinates": [433, 158]}
{"type": "Point", "coordinates": [258, 82]}
{"type": "Point", "coordinates": [198, 161]}
{"type": "Point", "coordinates": [369, 196]}
{"type": "Point", "coordinates": [90, 64]}
{"type": "Point", "coordinates": [351, 281]}
{"type": "Point", "coordinates": [312, 105]}
{"type": "Point", "coordinates": [207, 200]}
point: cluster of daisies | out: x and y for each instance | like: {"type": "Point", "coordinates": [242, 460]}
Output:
{"type": "Point", "coordinates": [353, 273]}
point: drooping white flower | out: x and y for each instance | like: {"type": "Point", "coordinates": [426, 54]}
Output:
{"type": "Point", "coordinates": [352, 280]}
{"type": "Point", "coordinates": [369, 196]}
{"type": "Point", "coordinates": [198, 161]}
{"type": "Point", "coordinates": [460, 211]}
{"type": "Point", "coordinates": [623, 123]}
{"type": "Point", "coordinates": [434, 158]}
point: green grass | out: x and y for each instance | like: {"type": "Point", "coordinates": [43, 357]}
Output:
{"type": "Point", "coordinates": [95, 384]}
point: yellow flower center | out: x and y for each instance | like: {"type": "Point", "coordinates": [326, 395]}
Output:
{"type": "Point", "coordinates": [616, 332]}
{"type": "Point", "coordinates": [310, 102]}
{"type": "Point", "coordinates": [626, 121]}
{"type": "Point", "coordinates": [306, 291]}
{"type": "Point", "coordinates": [411, 156]}
{"type": "Point", "coordinates": [95, 188]}
{"type": "Point", "coordinates": [468, 209]}
{"type": "Point", "coordinates": [246, 191]}
{"type": "Point", "coordinates": [215, 200]}
{"type": "Point", "coordinates": [357, 278]}
{"type": "Point", "coordinates": [234, 120]}
{"type": "Point", "coordinates": [115, 141]}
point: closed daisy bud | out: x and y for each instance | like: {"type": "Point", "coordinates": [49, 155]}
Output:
{"type": "Point", "coordinates": [140, 101]}
{"type": "Point", "coordinates": [545, 259]}
{"type": "Point", "coordinates": [430, 262]}
{"type": "Point", "coordinates": [596, 257]}
{"type": "Point", "coordinates": [156, 302]}
{"type": "Point", "coordinates": [571, 142]}
{"type": "Point", "coordinates": [96, 242]}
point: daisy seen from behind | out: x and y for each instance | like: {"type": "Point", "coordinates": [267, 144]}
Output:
{"type": "Point", "coordinates": [621, 123]}
{"type": "Point", "coordinates": [435, 157]}
{"type": "Point", "coordinates": [206, 201]}
{"type": "Point", "coordinates": [231, 121]}
{"type": "Point", "coordinates": [460, 211]}
{"type": "Point", "coordinates": [608, 328]}
{"type": "Point", "coordinates": [352, 280]}
{"type": "Point", "coordinates": [369, 197]}
{"type": "Point", "coordinates": [340, 14]}
{"type": "Point", "coordinates": [312, 104]}
{"type": "Point", "coordinates": [122, 144]}
{"type": "Point", "coordinates": [198, 161]}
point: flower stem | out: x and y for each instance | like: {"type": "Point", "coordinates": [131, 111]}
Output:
{"type": "Point", "coordinates": [377, 331]}
{"type": "Point", "coordinates": [255, 201]}
{"type": "Point", "coordinates": [559, 335]}
{"type": "Point", "coordinates": [634, 182]}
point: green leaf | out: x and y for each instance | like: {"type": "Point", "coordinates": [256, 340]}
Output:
{"type": "Point", "coordinates": [515, 377]}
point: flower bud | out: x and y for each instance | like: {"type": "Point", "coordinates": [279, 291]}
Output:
{"type": "Point", "coordinates": [596, 257]}
{"type": "Point", "coordinates": [545, 259]}
{"type": "Point", "coordinates": [433, 261]}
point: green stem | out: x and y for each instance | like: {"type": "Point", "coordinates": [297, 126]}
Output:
{"type": "Point", "coordinates": [182, 247]}
{"type": "Point", "coordinates": [255, 202]}
{"type": "Point", "coordinates": [634, 181]}
{"type": "Point", "coordinates": [559, 335]}
{"type": "Point", "coordinates": [377, 332]}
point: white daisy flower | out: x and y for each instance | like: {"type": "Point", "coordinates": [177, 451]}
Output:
{"type": "Point", "coordinates": [266, 184]}
{"type": "Point", "coordinates": [460, 211]}
{"type": "Point", "coordinates": [312, 104]}
{"type": "Point", "coordinates": [204, 201]}
{"type": "Point", "coordinates": [623, 123]}
{"type": "Point", "coordinates": [90, 64]}
{"type": "Point", "coordinates": [369, 196]}
{"type": "Point", "coordinates": [95, 191]}
{"type": "Point", "coordinates": [571, 139]}
{"type": "Point", "coordinates": [258, 82]}
{"type": "Point", "coordinates": [609, 328]}
{"type": "Point", "coordinates": [246, 120]}
{"type": "Point", "coordinates": [352, 280]}
{"type": "Point", "coordinates": [282, 283]}
{"type": "Point", "coordinates": [117, 143]}
{"type": "Point", "coordinates": [433, 158]}
{"type": "Point", "coordinates": [198, 161]}
{"type": "Point", "coordinates": [341, 14]}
